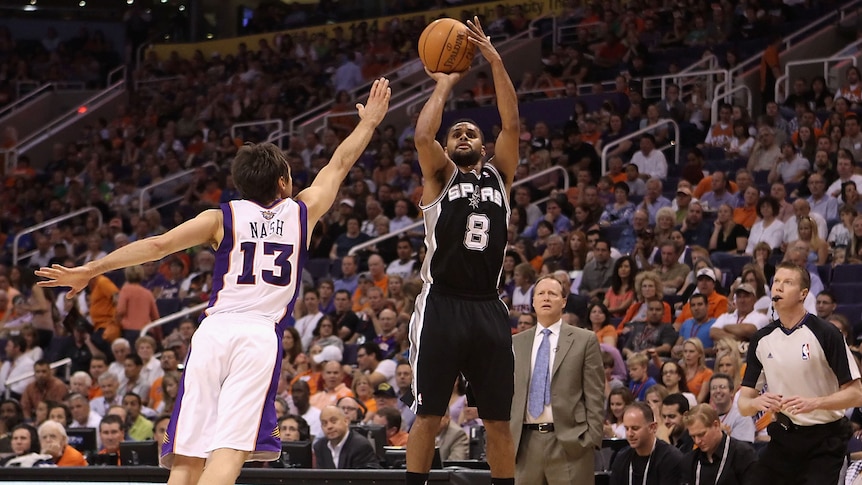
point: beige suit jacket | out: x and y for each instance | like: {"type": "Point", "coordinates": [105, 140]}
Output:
{"type": "Point", "coordinates": [577, 389]}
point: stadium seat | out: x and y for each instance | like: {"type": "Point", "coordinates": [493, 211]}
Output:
{"type": "Point", "coordinates": [349, 355]}
{"type": "Point", "coordinates": [736, 263]}
{"type": "Point", "coordinates": [846, 273]}
{"type": "Point", "coordinates": [846, 292]}
{"type": "Point", "coordinates": [168, 306]}
{"type": "Point", "coordinates": [319, 268]}
{"type": "Point", "coordinates": [335, 269]}
{"type": "Point", "coordinates": [825, 273]}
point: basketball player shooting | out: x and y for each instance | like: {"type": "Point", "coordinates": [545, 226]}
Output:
{"type": "Point", "coordinates": [225, 412]}
{"type": "Point", "coordinates": [459, 324]}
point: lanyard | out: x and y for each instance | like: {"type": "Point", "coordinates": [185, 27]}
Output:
{"type": "Point", "coordinates": [720, 465]}
{"type": "Point", "coordinates": [695, 327]}
{"type": "Point", "coordinates": [646, 468]}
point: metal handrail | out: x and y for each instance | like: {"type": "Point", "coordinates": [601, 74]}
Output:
{"type": "Point", "coordinates": [674, 143]}
{"type": "Point", "coordinates": [26, 82]}
{"type": "Point", "coordinates": [420, 222]}
{"type": "Point", "coordinates": [173, 316]}
{"type": "Point", "coordinates": [11, 155]}
{"type": "Point", "coordinates": [112, 73]}
{"type": "Point", "coordinates": [785, 78]}
{"type": "Point", "coordinates": [678, 77]}
{"type": "Point", "coordinates": [11, 107]}
{"type": "Point", "coordinates": [155, 80]}
{"type": "Point", "coordinates": [92, 102]}
{"type": "Point", "coordinates": [170, 178]}
{"type": "Point", "coordinates": [60, 363]}
{"type": "Point", "coordinates": [717, 97]}
{"type": "Point", "coordinates": [558, 31]}
{"type": "Point", "coordinates": [276, 121]}
{"type": "Point", "coordinates": [49, 223]}
{"type": "Point", "coordinates": [139, 56]}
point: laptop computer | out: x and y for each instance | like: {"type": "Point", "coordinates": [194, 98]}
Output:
{"type": "Point", "coordinates": [83, 439]}
{"type": "Point", "coordinates": [139, 453]}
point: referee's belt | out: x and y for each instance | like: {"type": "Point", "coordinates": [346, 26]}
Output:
{"type": "Point", "coordinates": [540, 427]}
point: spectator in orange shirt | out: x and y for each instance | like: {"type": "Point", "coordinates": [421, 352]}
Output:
{"type": "Point", "coordinates": [103, 307]}
{"type": "Point", "coordinates": [98, 366]}
{"type": "Point", "coordinates": [55, 442]}
{"type": "Point", "coordinates": [136, 305]}
{"type": "Point", "coordinates": [333, 386]}
{"type": "Point", "coordinates": [45, 387]}
{"type": "Point", "coordinates": [770, 69]}
{"type": "Point", "coordinates": [390, 419]}
{"type": "Point", "coordinates": [112, 430]}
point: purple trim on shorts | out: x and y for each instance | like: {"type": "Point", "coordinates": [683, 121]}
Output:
{"type": "Point", "coordinates": [169, 443]}
{"type": "Point", "coordinates": [222, 260]}
{"type": "Point", "coordinates": [267, 435]}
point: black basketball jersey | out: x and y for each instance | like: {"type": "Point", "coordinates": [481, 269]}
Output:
{"type": "Point", "coordinates": [466, 233]}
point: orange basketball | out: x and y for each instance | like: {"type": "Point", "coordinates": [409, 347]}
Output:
{"type": "Point", "coordinates": [444, 47]}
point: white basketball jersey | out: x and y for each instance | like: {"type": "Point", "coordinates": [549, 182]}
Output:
{"type": "Point", "coordinates": [258, 268]}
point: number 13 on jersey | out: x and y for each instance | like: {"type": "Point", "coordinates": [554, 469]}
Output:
{"type": "Point", "coordinates": [478, 227]}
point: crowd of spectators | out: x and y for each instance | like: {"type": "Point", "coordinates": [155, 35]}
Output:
{"type": "Point", "coordinates": [668, 261]}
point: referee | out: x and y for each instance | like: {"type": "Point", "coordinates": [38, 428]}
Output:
{"type": "Point", "coordinates": [812, 380]}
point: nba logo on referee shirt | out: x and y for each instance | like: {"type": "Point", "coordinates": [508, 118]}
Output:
{"type": "Point", "coordinates": [806, 351]}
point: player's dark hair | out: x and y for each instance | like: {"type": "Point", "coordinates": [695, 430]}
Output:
{"type": "Point", "coordinates": [472, 122]}
{"type": "Point", "coordinates": [256, 169]}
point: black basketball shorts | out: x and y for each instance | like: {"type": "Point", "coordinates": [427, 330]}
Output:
{"type": "Point", "coordinates": [450, 335]}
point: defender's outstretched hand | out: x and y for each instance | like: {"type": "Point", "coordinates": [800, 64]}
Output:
{"type": "Point", "coordinates": [377, 105]}
{"type": "Point", "coordinates": [76, 278]}
{"type": "Point", "coordinates": [482, 41]}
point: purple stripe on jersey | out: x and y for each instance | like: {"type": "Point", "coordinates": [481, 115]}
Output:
{"type": "Point", "coordinates": [222, 262]}
{"type": "Point", "coordinates": [170, 435]}
{"type": "Point", "coordinates": [267, 439]}
{"type": "Point", "coordinates": [286, 321]}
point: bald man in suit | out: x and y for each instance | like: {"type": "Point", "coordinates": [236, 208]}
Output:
{"type": "Point", "coordinates": [557, 409]}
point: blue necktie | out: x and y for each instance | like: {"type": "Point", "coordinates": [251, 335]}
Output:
{"type": "Point", "coordinates": [540, 389]}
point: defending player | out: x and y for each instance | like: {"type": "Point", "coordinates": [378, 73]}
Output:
{"type": "Point", "coordinates": [460, 324]}
{"type": "Point", "coordinates": [225, 410]}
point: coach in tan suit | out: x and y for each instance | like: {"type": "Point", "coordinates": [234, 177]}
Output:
{"type": "Point", "coordinates": [558, 404]}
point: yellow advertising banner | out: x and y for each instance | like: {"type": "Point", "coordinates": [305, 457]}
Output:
{"type": "Point", "coordinates": [532, 9]}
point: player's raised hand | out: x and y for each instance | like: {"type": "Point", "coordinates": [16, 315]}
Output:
{"type": "Point", "coordinates": [482, 41]}
{"type": "Point", "coordinates": [447, 77]}
{"type": "Point", "coordinates": [377, 105]}
{"type": "Point", "coordinates": [75, 278]}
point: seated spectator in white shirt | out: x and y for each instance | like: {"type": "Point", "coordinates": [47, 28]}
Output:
{"type": "Point", "coordinates": [650, 162]}
{"type": "Point", "coordinates": [791, 167]}
{"type": "Point", "coordinates": [742, 323]}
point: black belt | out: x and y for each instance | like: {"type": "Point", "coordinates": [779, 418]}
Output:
{"type": "Point", "coordinates": [540, 427]}
{"type": "Point", "coordinates": [788, 425]}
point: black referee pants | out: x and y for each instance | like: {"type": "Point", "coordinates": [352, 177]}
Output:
{"type": "Point", "coordinates": [803, 455]}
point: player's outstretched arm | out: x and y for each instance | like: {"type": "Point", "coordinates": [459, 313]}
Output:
{"type": "Point", "coordinates": [506, 146]}
{"type": "Point", "coordinates": [436, 167]}
{"type": "Point", "coordinates": [321, 194]}
{"type": "Point", "coordinates": [206, 228]}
